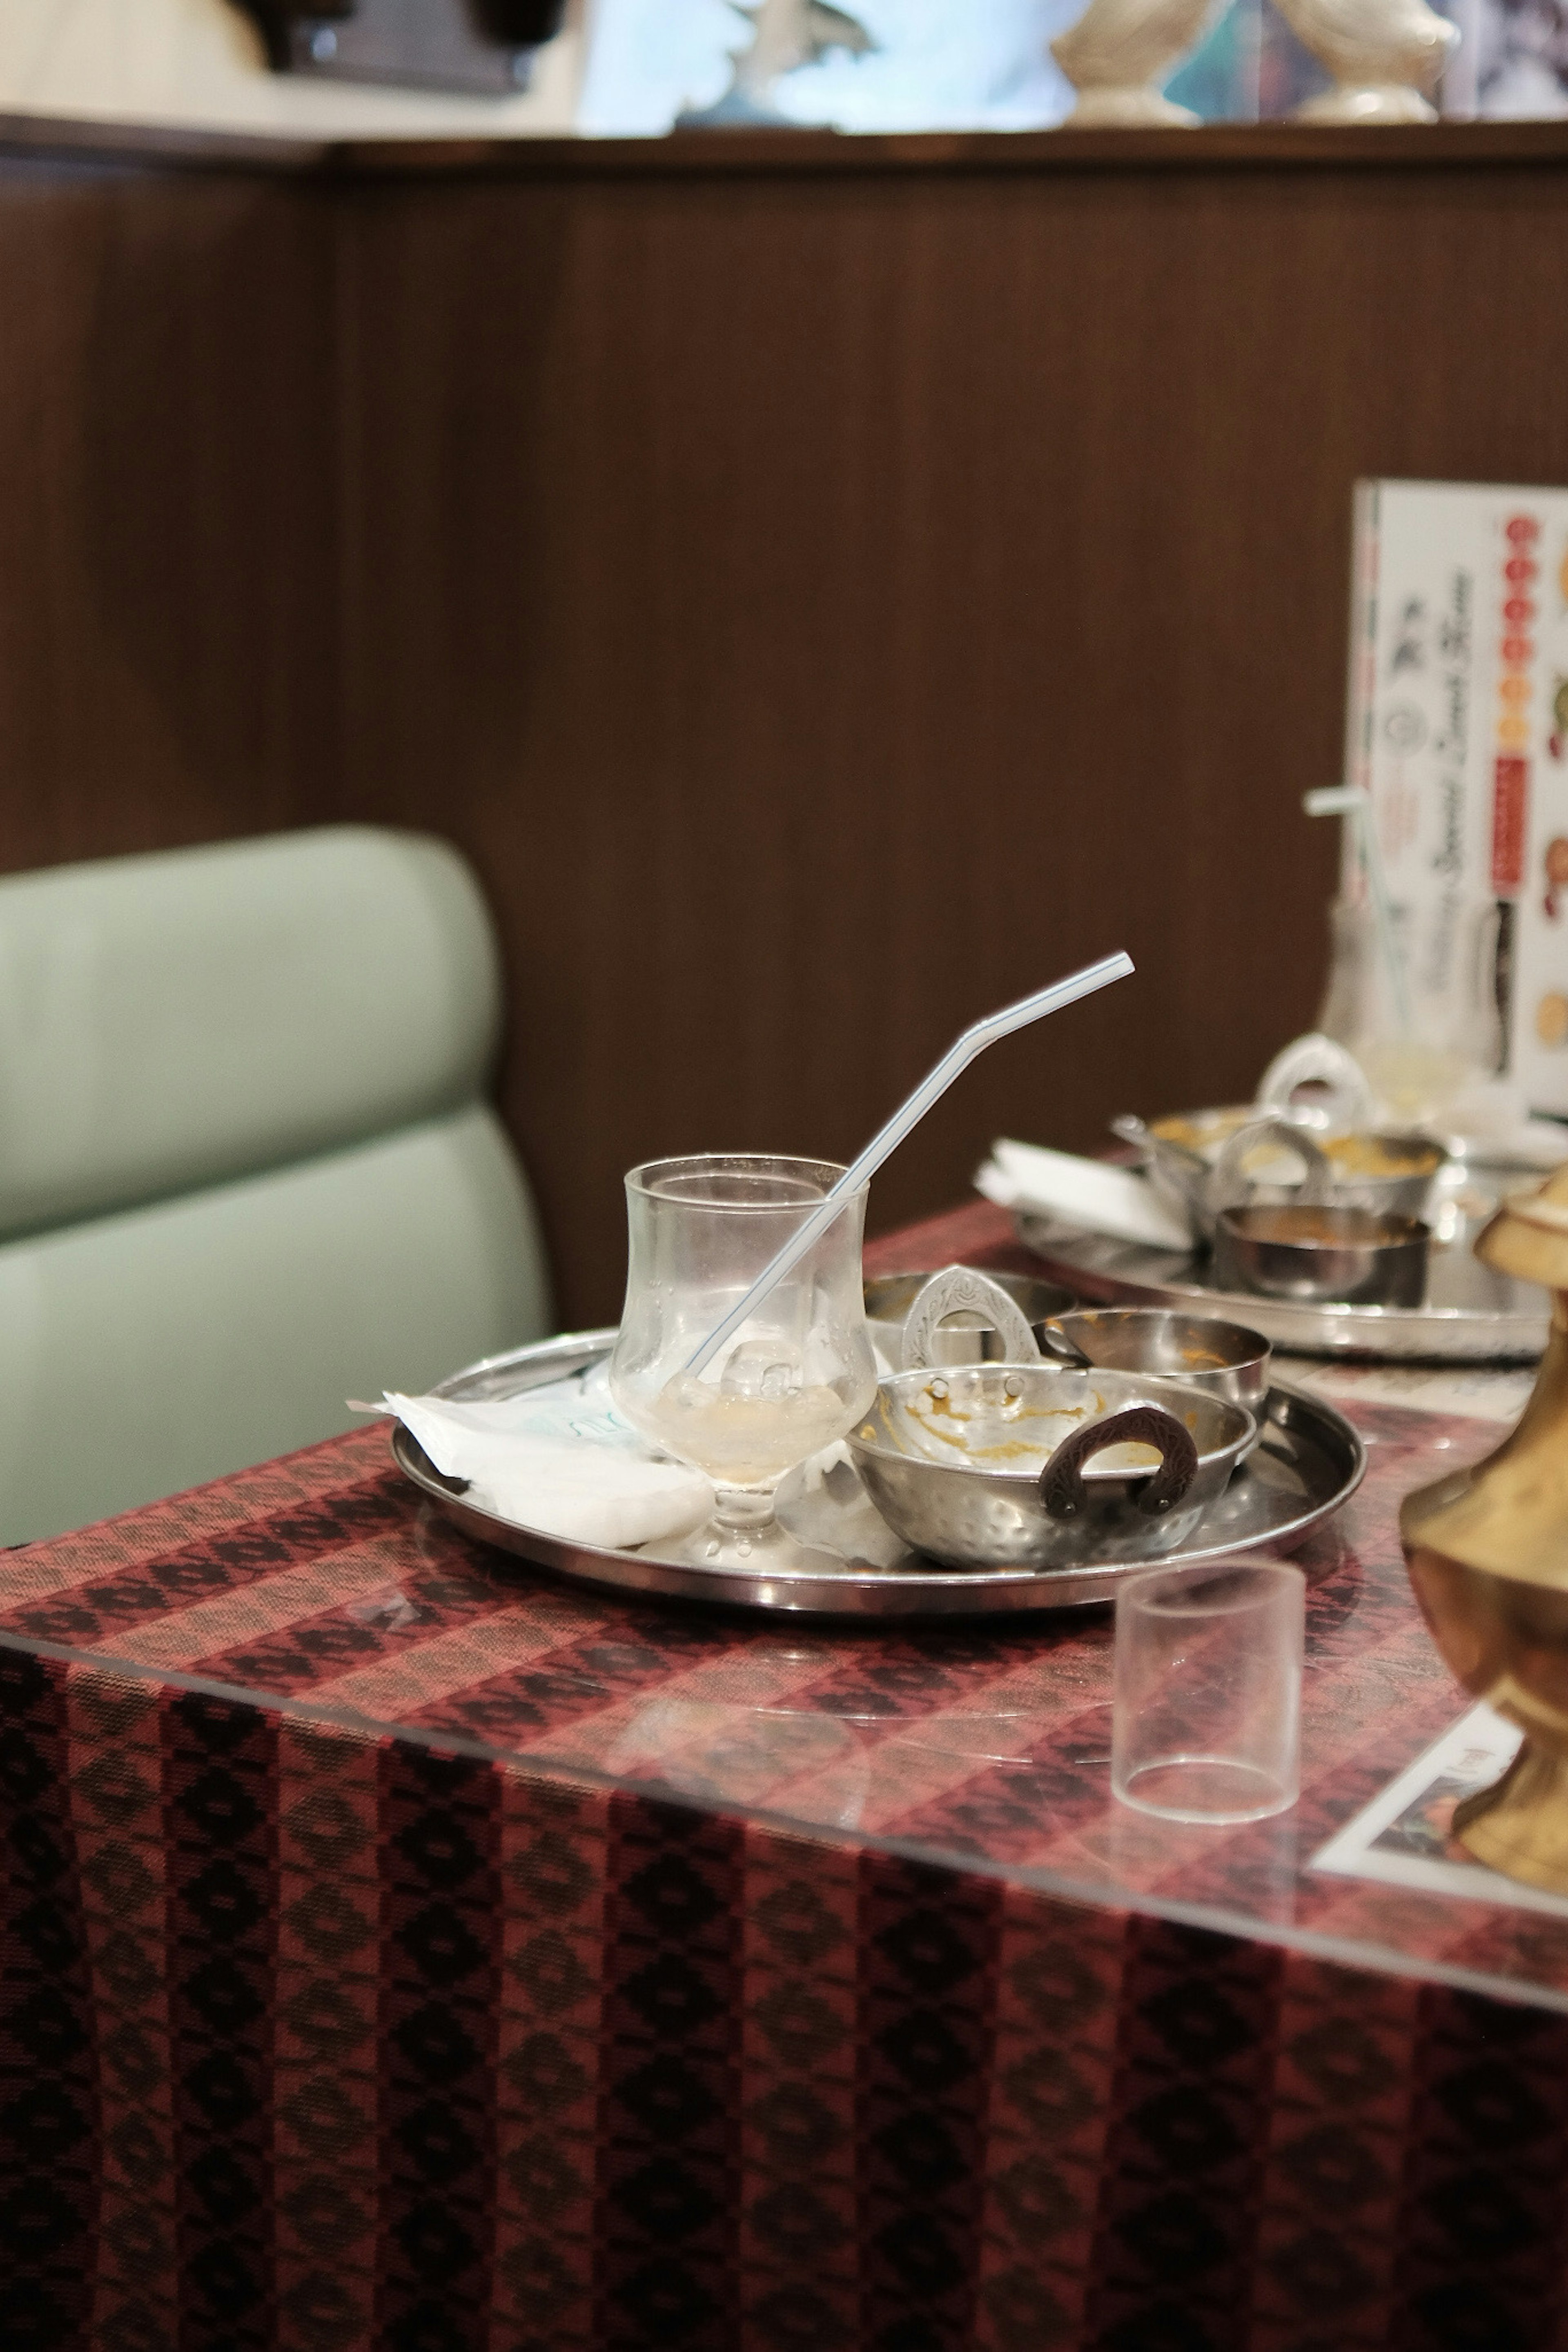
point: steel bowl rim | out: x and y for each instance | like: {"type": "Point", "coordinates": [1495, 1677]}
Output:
{"type": "Point", "coordinates": [1259, 1352]}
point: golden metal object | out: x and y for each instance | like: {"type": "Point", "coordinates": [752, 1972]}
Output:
{"type": "Point", "coordinates": [1486, 1549]}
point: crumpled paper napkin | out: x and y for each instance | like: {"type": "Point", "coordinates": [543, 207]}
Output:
{"type": "Point", "coordinates": [560, 1458]}
{"type": "Point", "coordinates": [1093, 1193]}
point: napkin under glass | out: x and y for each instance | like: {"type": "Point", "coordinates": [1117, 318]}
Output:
{"type": "Point", "coordinates": [560, 1458]}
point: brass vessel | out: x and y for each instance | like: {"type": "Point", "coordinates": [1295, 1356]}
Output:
{"type": "Point", "coordinates": [1486, 1549]}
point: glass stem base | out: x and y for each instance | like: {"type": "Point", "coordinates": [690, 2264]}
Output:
{"type": "Point", "coordinates": [741, 1533]}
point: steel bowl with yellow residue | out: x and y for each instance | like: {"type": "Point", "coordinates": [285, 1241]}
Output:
{"type": "Point", "coordinates": [1262, 1158]}
{"type": "Point", "coordinates": [1201, 1351]}
{"type": "Point", "coordinates": [1031, 1465]}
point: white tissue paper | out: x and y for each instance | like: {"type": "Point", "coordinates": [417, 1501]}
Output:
{"type": "Point", "coordinates": [560, 1458]}
{"type": "Point", "coordinates": [1092, 1193]}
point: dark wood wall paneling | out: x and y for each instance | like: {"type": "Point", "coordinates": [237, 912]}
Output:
{"type": "Point", "coordinates": [169, 566]}
{"type": "Point", "coordinates": [827, 587]}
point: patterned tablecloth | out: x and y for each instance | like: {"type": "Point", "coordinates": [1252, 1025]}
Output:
{"type": "Point", "coordinates": [401, 1949]}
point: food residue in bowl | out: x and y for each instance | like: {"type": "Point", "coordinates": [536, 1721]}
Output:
{"type": "Point", "coordinates": [1014, 1436]}
{"type": "Point", "coordinates": [1310, 1228]}
{"type": "Point", "coordinates": [1205, 1131]}
{"type": "Point", "coordinates": [1003, 1433]}
{"type": "Point", "coordinates": [1393, 1156]}
{"type": "Point", "coordinates": [1355, 1158]}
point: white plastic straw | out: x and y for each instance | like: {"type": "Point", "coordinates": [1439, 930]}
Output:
{"type": "Point", "coordinates": [909, 1115]}
{"type": "Point", "coordinates": [1352, 801]}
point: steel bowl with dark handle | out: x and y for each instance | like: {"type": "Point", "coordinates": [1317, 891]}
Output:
{"type": "Point", "coordinates": [1063, 1489]}
{"type": "Point", "coordinates": [958, 1462]}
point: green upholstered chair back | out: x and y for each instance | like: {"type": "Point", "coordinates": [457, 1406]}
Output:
{"type": "Point", "coordinates": [247, 1167]}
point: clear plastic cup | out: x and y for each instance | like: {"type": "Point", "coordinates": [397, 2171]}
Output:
{"type": "Point", "coordinates": [1206, 1724]}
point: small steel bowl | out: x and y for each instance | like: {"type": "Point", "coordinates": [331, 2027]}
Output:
{"type": "Point", "coordinates": [961, 1342]}
{"type": "Point", "coordinates": [1351, 1258]}
{"type": "Point", "coordinates": [1225, 1359]}
{"type": "Point", "coordinates": [993, 1466]}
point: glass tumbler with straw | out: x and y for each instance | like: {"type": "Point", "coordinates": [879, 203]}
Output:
{"type": "Point", "coordinates": [743, 1345]}
{"type": "Point", "coordinates": [797, 1372]}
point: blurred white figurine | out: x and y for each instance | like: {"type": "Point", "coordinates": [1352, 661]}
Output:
{"type": "Point", "coordinates": [1382, 55]}
{"type": "Point", "coordinates": [785, 35]}
{"type": "Point", "coordinates": [1118, 52]}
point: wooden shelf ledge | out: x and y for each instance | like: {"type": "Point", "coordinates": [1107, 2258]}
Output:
{"type": "Point", "coordinates": [1267, 146]}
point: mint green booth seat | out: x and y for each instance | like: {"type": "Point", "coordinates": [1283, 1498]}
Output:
{"type": "Point", "coordinates": [247, 1167]}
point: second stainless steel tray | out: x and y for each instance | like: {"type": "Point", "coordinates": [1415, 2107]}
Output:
{"type": "Point", "coordinates": [1469, 1315]}
{"type": "Point", "coordinates": [847, 1562]}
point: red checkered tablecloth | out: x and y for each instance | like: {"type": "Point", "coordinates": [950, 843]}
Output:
{"type": "Point", "coordinates": [399, 1947]}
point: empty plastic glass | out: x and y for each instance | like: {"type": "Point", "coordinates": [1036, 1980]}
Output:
{"type": "Point", "coordinates": [1206, 1724]}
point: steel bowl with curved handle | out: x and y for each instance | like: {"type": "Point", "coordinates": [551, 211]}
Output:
{"type": "Point", "coordinates": [953, 1461]}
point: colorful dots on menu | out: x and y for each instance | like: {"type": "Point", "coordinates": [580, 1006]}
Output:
{"type": "Point", "coordinates": [1515, 692]}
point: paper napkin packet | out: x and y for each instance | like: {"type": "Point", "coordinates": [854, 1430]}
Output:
{"type": "Point", "coordinates": [560, 1458]}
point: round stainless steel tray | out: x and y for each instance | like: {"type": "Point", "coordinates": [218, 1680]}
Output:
{"type": "Point", "coordinates": [1470, 1315]}
{"type": "Point", "coordinates": [847, 1562]}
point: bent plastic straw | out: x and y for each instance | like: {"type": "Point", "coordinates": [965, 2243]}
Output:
{"type": "Point", "coordinates": [1351, 800]}
{"type": "Point", "coordinates": [909, 1115]}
